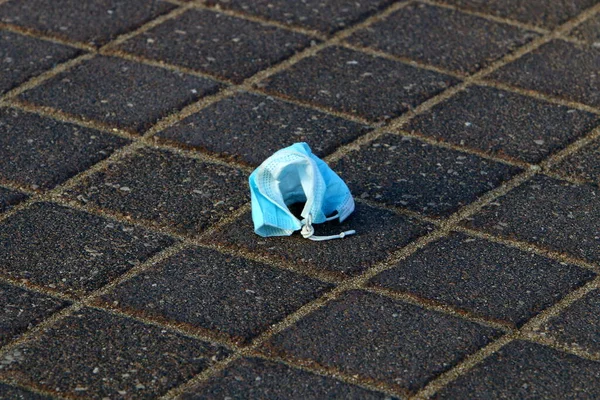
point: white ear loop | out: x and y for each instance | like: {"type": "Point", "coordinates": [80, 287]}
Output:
{"type": "Point", "coordinates": [308, 231]}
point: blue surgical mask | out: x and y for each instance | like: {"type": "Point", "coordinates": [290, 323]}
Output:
{"type": "Point", "coordinates": [295, 175]}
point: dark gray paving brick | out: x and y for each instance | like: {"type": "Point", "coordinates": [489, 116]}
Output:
{"type": "Point", "coordinates": [234, 296]}
{"type": "Point", "coordinates": [443, 37]}
{"type": "Point", "coordinates": [326, 16]}
{"type": "Point", "coordinates": [256, 378]}
{"type": "Point", "coordinates": [9, 198]}
{"type": "Point", "coordinates": [229, 47]}
{"type": "Point", "coordinates": [232, 127]}
{"type": "Point", "coordinates": [381, 339]}
{"type": "Point", "coordinates": [9, 392]}
{"type": "Point", "coordinates": [523, 370]}
{"type": "Point", "coordinates": [93, 354]}
{"type": "Point", "coordinates": [22, 309]}
{"type": "Point", "coordinates": [69, 250]}
{"type": "Point", "coordinates": [504, 123]}
{"type": "Point", "coordinates": [379, 233]}
{"type": "Point", "coordinates": [578, 325]}
{"type": "Point", "coordinates": [163, 187]}
{"type": "Point", "coordinates": [345, 80]}
{"type": "Point", "coordinates": [583, 164]}
{"type": "Point", "coordinates": [486, 278]}
{"type": "Point", "coordinates": [551, 213]}
{"type": "Point", "coordinates": [558, 68]}
{"type": "Point", "coordinates": [542, 13]}
{"type": "Point", "coordinates": [42, 152]}
{"type": "Point", "coordinates": [121, 93]}
{"type": "Point", "coordinates": [23, 57]}
{"type": "Point", "coordinates": [92, 21]}
{"type": "Point", "coordinates": [589, 31]}
{"type": "Point", "coordinates": [407, 173]}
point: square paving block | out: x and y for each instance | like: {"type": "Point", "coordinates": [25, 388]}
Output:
{"type": "Point", "coordinates": [326, 16]}
{"type": "Point", "coordinates": [584, 164]}
{"type": "Point", "coordinates": [258, 378]}
{"type": "Point", "coordinates": [379, 234]}
{"type": "Point", "coordinates": [165, 188]}
{"type": "Point", "coordinates": [120, 93]}
{"type": "Point", "coordinates": [93, 21]}
{"type": "Point", "coordinates": [71, 251]}
{"type": "Point", "coordinates": [408, 173]}
{"type": "Point", "coordinates": [232, 127]}
{"type": "Point", "coordinates": [443, 37]}
{"type": "Point", "coordinates": [548, 212]}
{"type": "Point", "coordinates": [504, 123]}
{"type": "Point", "coordinates": [558, 68]}
{"type": "Point", "coordinates": [485, 278]}
{"type": "Point", "coordinates": [22, 309]}
{"type": "Point", "coordinates": [589, 31]}
{"type": "Point", "coordinates": [93, 354]}
{"type": "Point", "coordinates": [42, 152]}
{"type": "Point", "coordinates": [523, 370]}
{"type": "Point", "coordinates": [9, 198]}
{"type": "Point", "coordinates": [234, 296]}
{"type": "Point", "coordinates": [23, 57]}
{"type": "Point", "coordinates": [10, 392]}
{"type": "Point", "coordinates": [381, 339]}
{"type": "Point", "coordinates": [375, 88]}
{"type": "Point", "coordinates": [229, 47]}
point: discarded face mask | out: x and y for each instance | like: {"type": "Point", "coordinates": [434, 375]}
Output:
{"type": "Point", "coordinates": [295, 175]}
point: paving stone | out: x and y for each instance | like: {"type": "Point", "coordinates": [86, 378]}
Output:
{"type": "Point", "coordinates": [23, 57]}
{"type": "Point", "coordinates": [379, 234]}
{"type": "Point", "coordinates": [504, 123]}
{"type": "Point", "coordinates": [577, 325]}
{"type": "Point", "coordinates": [120, 93]}
{"type": "Point", "coordinates": [544, 13]}
{"type": "Point", "coordinates": [345, 80]}
{"type": "Point", "coordinates": [93, 354]}
{"type": "Point", "coordinates": [557, 68]}
{"type": "Point", "coordinates": [326, 16]}
{"type": "Point", "coordinates": [381, 339]}
{"type": "Point", "coordinates": [9, 392]}
{"type": "Point", "coordinates": [231, 128]}
{"type": "Point", "coordinates": [232, 295]}
{"type": "Point", "coordinates": [163, 187]}
{"type": "Point", "coordinates": [21, 309]}
{"type": "Point", "coordinates": [9, 198]}
{"type": "Point", "coordinates": [257, 378]}
{"type": "Point", "coordinates": [71, 251]}
{"type": "Point", "coordinates": [408, 173]}
{"type": "Point", "coordinates": [42, 152]}
{"type": "Point", "coordinates": [443, 37]}
{"type": "Point", "coordinates": [583, 164]}
{"type": "Point", "coordinates": [589, 31]}
{"type": "Point", "coordinates": [93, 21]}
{"type": "Point", "coordinates": [523, 370]}
{"type": "Point", "coordinates": [551, 213]}
{"type": "Point", "coordinates": [229, 47]}
{"type": "Point", "coordinates": [485, 278]}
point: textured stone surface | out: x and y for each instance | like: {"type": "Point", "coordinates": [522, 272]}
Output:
{"type": "Point", "coordinates": [231, 128]}
{"type": "Point", "coordinates": [443, 37]}
{"type": "Point", "coordinates": [93, 354]}
{"type": "Point", "coordinates": [236, 297]}
{"type": "Point", "coordinates": [371, 87]}
{"type": "Point", "coordinates": [181, 193]}
{"type": "Point", "coordinates": [523, 370]}
{"type": "Point", "coordinates": [262, 379]}
{"type": "Point", "coordinates": [8, 198]}
{"type": "Point", "coordinates": [229, 47]}
{"type": "Point", "coordinates": [407, 173]}
{"type": "Point", "coordinates": [23, 57]}
{"type": "Point", "coordinates": [119, 92]}
{"type": "Point", "coordinates": [379, 233]}
{"type": "Point", "coordinates": [504, 123]}
{"type": "Point", "coordinates": [382, 339]}
{"type": "Point", "coordinates": [589, 31]}
{"type": "Point", "coordinates": [9, 392]}
{"type": "Point", "coordinates": [41, 152]}
{"type": "Point", "coordinates": [583, 164]}
{"type": "Point", "coordinates": [551, 213]}
{"type": "Point", "coordinates": [485, 278]}
{"type": "Point", "coordinates": [69, 250]}
{"type": "Point", "coordinates": [558, 68]}
{"type": "Point", "coordinates": [92, 21]}
{"type": "Point", "coordinates": [22, 309]}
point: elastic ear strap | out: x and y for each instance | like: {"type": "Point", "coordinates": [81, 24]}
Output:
{"type": "Point", "coordinates": [308, 231]}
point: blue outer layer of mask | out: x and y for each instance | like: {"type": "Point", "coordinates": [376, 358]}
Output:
{"type": "Point", "coordinates": [295, 175]}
